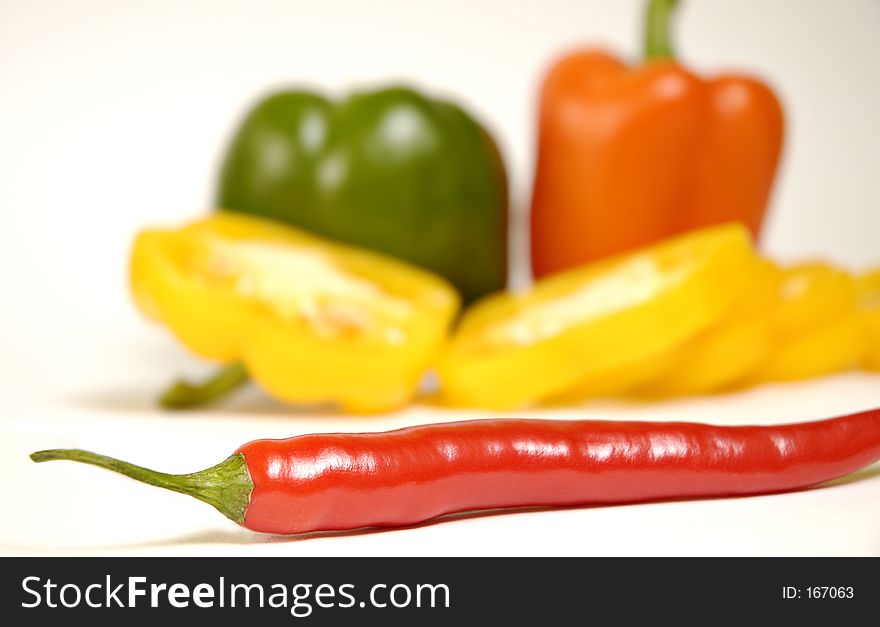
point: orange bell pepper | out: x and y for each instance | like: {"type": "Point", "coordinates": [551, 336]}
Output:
{"type": "Point", "coordinates": [629, 156]}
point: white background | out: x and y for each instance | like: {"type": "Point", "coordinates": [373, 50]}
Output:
{"type": "Point", "coordinates": [113, 116]}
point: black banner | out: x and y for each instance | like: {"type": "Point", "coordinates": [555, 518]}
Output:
{"type": "Point", "coordinates": [315, 591]}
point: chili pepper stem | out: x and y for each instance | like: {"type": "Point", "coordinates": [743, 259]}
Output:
{"type": "Point", "coordinates": [183, 394]}
{"type": "Point", "coordinates": [226, 486]}
{"type": "Point", "coordinates": [658, 42]}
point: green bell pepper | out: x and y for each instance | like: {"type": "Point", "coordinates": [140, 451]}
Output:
{"type": "Point", "coordinates": [389, 170]}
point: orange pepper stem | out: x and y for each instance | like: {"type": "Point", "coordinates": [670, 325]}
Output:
{"type": "Point", "coordinates": [658, 43]}
{"type": "Point", "coordinates": [184, 394]}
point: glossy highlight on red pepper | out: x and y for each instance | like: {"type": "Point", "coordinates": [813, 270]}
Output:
{"type": "Point", "coordinates": [345, 481]}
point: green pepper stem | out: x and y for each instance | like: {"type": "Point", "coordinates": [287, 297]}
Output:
{"type": "Point", "coordinates": [658, 41]}
{"type": "Point", "coordinates": [183, 394]}
{"type": "Point", "coordinates": [226, 486]}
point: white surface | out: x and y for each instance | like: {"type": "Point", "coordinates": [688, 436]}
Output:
{"type": "Point", "coordinates": [113, 116]}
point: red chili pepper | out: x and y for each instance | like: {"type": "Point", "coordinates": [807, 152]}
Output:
{"type": "Point", "coordinates": [350, 480]}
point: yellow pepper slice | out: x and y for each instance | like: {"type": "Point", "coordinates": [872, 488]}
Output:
{"type": "Point", "coordinates": [833, 347]}
{"type": "Point", "coordinates": [312, 321]}
{"type": "Point", "coordinates": [515, 349]}
{"type": "Point", "coordinates": [620, 381]}
{"type": "Point", "coordinates": [869, 304]}
{"type": "Point", "coordinates": [727, 352]}
{"type": "Point", "coordinates": [812, 294]}
{"type": "Point", "coordinates": [817, 327]}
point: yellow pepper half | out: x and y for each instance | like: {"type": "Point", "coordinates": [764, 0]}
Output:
{"type": "Point", "coordinates": [619, 382]}
{"type": "Point", "coordinates": [869, 305]}
{"type": "Point", "coordinates": [833, 347]}
{"type": "Point", "coordinates": [515, 349]}
{"type": "Point", "coordinates": [812, 294]}
{"type": "Point", "coordinates": [728, 351]}
{"type": "Point", "coordinates": [312, 321]}
{"type": "Point", "coordinates": [818, 328]}
{"type": "Point", "coordinates": [717, 356]}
